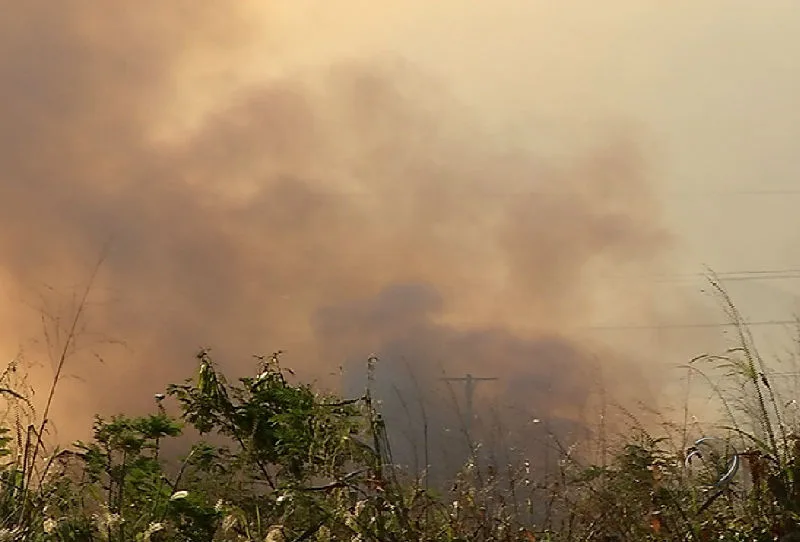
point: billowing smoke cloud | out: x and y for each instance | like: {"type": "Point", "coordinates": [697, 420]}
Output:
{"type": "Point", "coordinates": [331, 213]}
{"type": "Point", "coordinates": [545, 378]}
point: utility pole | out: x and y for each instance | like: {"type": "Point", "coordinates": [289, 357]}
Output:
{"type": "Point", "coordinates": [469, 388]}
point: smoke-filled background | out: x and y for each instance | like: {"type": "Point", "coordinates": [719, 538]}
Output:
{"type": "Point", "coordinates": [456, 188]}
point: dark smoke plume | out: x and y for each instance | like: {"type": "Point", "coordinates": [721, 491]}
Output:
{"type": "Point", "coordinates": [331, 213]}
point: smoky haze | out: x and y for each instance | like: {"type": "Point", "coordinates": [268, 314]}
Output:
{"type": "Point", "coordinates": [331, 211]}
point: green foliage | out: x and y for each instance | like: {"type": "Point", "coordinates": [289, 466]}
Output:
{"type": "Point", "coordinates": [287, 431]}
{"type": "Point", "coordinates": [277, 461]}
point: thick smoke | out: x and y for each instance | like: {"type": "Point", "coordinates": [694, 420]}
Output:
{"type": "Point", "coordinates": [331, 213]}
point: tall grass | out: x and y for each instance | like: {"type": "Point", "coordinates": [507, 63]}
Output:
{"type": "Point", "coordinates": [279, 461]}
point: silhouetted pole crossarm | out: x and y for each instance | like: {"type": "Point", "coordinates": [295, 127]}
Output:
{"type": "Point", "coordinates": [469, 389]}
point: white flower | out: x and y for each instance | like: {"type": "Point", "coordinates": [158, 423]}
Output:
{"type": "Point", "coordinates": [9, 534]}
{"type": "Point", "coordinates": [359, 507]}
{"type": "Point", "coordinates": [49, 525]}
{"type": "Point", "coordinates": [178, 495]}
{"type": "Point", "coordinates": [228, 523]}
{"type": "Point", "coordinates": [275, 534]}
{"type": "Point", "coordinates": [106, 520]}
{"type": "Point", "coordinates": [324, 534]}
{"type": "Point", "coordinates": [151, 529]}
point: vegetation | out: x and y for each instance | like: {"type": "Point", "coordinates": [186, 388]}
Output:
{"type": "Point", "coordinates": [268, 459]}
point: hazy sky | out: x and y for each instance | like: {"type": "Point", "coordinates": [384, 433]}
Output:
{"type": "Point", "coordinates": [710, 88]}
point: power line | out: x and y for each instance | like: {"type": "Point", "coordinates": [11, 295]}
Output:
{"type": "Point", "coordinates": [749, 272]}
{"type": "Point", "coordinates": [775, 192]}
{"type": "Point", "coordinates": [764, 323]}
{"type": "Point", "coordinates": [477, 191]}
{"type": "Point", "coordinates": [727, 276]}
{"type": "Point", "coordinates": [532, 193]}
{"type": "Point", "coordinates": [730, 278]}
